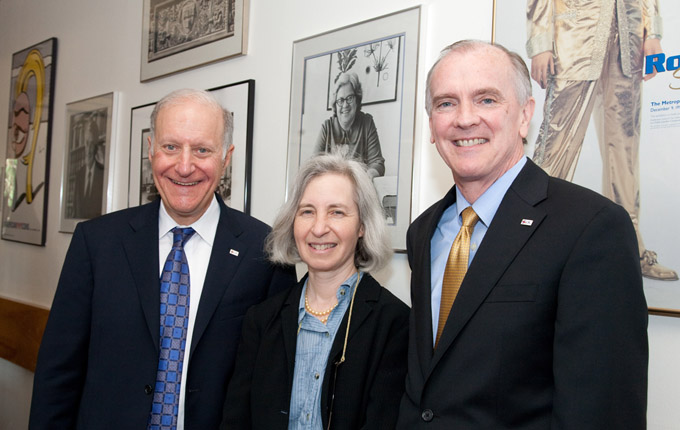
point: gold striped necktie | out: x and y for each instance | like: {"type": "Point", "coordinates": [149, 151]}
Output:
{"type": "Point", "coordinates": [456, 266]}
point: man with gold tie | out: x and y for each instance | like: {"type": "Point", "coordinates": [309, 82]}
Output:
{"type": "Point", "coordinates": [589, 57]}
{"type": "Point", "coordinates": [527, 304]}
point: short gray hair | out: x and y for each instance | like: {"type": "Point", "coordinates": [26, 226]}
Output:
{"type": "Point", "coordinates": [519, 67]}
{"type": "Point", "coordinates": [203, 97]}
{"type": "Point", "coordinates": [373, 249]}
{"type": "Point", "coordinates": [351, 79]}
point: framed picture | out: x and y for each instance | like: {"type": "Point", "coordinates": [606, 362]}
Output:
{"type": "Point", "coordinates": [86, 176]}
{"type": "Point", "coordinates": [648, 193]}
{"type": "Point", "coordinates": [359, 82]}
{"type": "Point", "coordinates": [234, 187]}
{"type": "Point", "coordinates": [29, 141]}
{"type": "Point", "coordinates": [182, 34]}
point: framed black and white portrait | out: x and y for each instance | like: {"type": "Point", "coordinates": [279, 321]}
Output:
{"type": "Point", "coordinates": [353, 92]}
{"type": "Point", "coordinates": [86, 178]}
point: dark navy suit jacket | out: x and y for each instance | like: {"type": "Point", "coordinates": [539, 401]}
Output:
{"type": "Point", "coordinates": [99, 355]}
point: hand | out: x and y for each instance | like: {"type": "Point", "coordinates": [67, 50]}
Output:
{"type": "Point", "coordinates": [651, 46]}
{"type": "Point", "coordinates": [542, 67]}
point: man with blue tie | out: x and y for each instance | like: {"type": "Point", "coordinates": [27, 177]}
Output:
{"type": "Point", "coordinates": [147, 315]}
{"type": "Point", "coordinates": [527, 304]}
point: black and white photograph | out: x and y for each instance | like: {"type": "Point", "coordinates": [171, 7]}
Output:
{"type": "Point", "coordinates": [182, 34]}
{"type": "Point", "coordinates": [85, 178]}
{"type": "Point", "coordinates": [353, 93]}
{"type": "Point", "coordinates": [239, 99]}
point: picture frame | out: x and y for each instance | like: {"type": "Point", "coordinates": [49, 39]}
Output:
{"type": "Point", "coordinates": [658, 151]}
{"type": "Point", "coordinates": [178, 35]}
{"type": "Point", "coordinates": [29, 142]}
{"type": "Point", "coordinates": [87, 175]}
{"type": "Point", "coordinates": [316, 64]}
{"type": "Point", "coordinates": [234, 187]}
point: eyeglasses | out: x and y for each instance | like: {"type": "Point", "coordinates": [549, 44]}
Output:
{"type": "Point", "coordinates": [349, 99]}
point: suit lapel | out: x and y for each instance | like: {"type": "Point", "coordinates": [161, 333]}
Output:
{"type": "Point", "coordinates": [506, 236]}
{"type": "Point", "coordinates": [423, 321]}
{"type": "Point", "coordinates": [289, 326]}
{"type": "Point", "coordinates": [221, 269]}
{"type": "Point", "coordinates": [141, 249]}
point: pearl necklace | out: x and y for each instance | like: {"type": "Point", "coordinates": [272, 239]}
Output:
{"type": "Point", "coordinates": [319, 314]}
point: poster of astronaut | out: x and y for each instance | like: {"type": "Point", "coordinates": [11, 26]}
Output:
{"type": "Point", "coordinates": [353, 93]}
{"type": "Point", "coordinates": [606, 82]}
{"type": "Point", "coordinates": [181, 34]}
{"type": "Point", "coordinates": [27, 160]}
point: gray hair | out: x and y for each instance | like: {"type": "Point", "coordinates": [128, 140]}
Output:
{"type": "Point", "coordinates": [351, 79]}
{"type": "Point", "coordinates": [373, 249]}
{"type": "Point", "coordinates": [519, 67]}
{"type": "Point", "coordinates": [203, 97]}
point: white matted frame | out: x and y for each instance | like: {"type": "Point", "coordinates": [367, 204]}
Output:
{"type": "Point", "coordinates": [182, 34]}
{"type": "Point", "coordinates": [315, 65]}
{"type": "Point", "coordinates": [234, 187]}
{"type": "Point", "coordinates": [87, 174]}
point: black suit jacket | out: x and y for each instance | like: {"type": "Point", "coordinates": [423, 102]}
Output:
{"type": "Point", "coordinates": [99, 355]}
{"type": "Point", "coordinates": [369, 383]}
{"type": "Point", "coordinates": [548, 330]}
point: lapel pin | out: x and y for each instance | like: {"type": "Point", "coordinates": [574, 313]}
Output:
{"type": "Point", "coordinates": [527, 222]}
{"type": "Point", "coordinates": [233, 252]}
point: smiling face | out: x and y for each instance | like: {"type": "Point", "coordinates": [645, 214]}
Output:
{"type": "Point", "coordinates": [186, 159]}
{"type": "Point", "coordinates": [477, 122]}
{"type": "Point", "coordinates": [346, 110]}
{"type": "Point", "coordinates": [327, 225]}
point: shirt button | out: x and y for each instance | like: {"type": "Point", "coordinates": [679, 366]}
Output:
{"type": "Point", "coordinates": [316, 375]}
{"type": "Point", "coordinates": [427, 415]}
{"type": "Point", "coordinates": [342, 292]}
{"type": "Point", "coordinates": [148, 389]}
{"type": "Point", "coordinates": [327, 334]}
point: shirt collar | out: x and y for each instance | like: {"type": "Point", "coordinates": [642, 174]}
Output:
{"type": "Point", "coordinates": [487, 204]}
{"type": "Point", "coordinates": [205, 226]}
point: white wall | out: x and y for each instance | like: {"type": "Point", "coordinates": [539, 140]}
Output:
{"type": "Point", "coordinates": [99, 52]}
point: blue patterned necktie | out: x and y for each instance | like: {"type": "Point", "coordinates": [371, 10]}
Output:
{"type": "Point", "coordinates": [174, 323]}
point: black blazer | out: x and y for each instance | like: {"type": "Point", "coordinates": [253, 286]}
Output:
{"type": "Point", "coordinates": [99, 354]}
{"type": "Point", "coordinates": [369, 384]}
{"type": "Point", "coordinates": [548, 330]}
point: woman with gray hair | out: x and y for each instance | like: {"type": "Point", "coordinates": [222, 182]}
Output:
{"type": "Point", "coordinates": [350, 131]}
{"type": "Point", "coordinates": [330, 353]}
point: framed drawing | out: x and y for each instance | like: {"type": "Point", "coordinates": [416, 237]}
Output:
{"type": "Point", "coordinates": [86, 175]}
{"type": "Point", "coordinates": [361, 77]}
{"type": "Point", "coordinates": [182, 34]}
{"type": "Point", "coordinates": [234, 187]}
{"type": "Point", "coordinates": [29, 141]}
{"type": "Point", "coordinates": [639, 170]}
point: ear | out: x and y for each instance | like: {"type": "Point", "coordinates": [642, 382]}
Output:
{"type": "Point", "coordinates": [526, 115]}
{"type": "Point", "coordinates": [431, 133]}
{"type": "Point", "coordinates": [227, 158]}
{"type": "Point", "coordinates": [361, 230]}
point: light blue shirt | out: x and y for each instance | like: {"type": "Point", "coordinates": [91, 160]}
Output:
{"type": "Point", "coordinates": [314, 341]}
{"type": "Point", "coordinates": [450, 223]}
